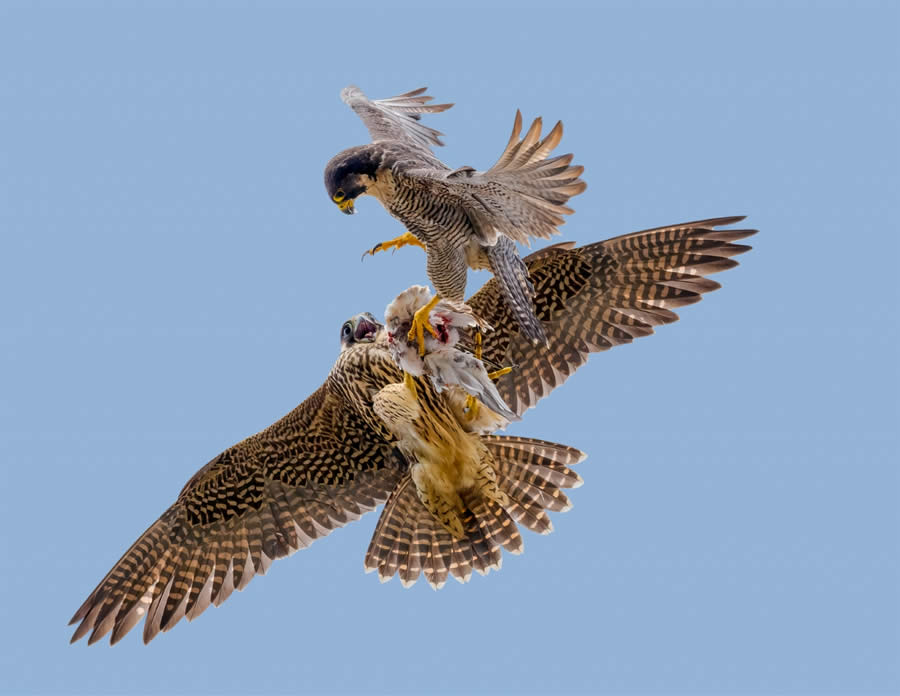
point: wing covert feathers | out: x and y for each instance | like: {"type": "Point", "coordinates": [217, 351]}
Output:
{"type": "Point", "coordinates": [323, 465]}
{"type": "Point", "coordinates": [266, 497]}
{"type": "Point", "coordinates": [523, 195]}
{"type": "Point", "coordinates": [594, 297]}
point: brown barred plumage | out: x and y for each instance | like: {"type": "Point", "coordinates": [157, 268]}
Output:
{"type": "Point", "coordinates": [316, 469]}
{"type": "Point", "coordinates": [332, 459]}
{"type": "Point", "coordinates": [409, 540]}
{"type": "Point", "coordinates": [594, 297]}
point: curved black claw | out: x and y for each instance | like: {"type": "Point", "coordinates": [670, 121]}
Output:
{"type": "Point", "coordinates": [374, 250]}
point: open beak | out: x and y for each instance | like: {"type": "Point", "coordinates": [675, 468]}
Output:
{"type": "Point", "coordinates": [366, 328]}
{"type": "Point", "coordinates": [346, 206]}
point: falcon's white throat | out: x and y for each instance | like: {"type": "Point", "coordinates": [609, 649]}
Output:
{"type": "Point", "coordinates": [381, 187]}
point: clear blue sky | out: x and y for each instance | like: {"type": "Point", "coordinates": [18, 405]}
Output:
{"type": "Point", "coordinates": [174, 279]}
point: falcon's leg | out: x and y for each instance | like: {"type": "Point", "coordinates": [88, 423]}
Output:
{"type": "Point", "coordinates": [472, 407]}
{"type": "Point", "coordinates": [420, 323]}
{"type": "Point", "coordinates": [410, 384]}
{"type": "Point", "coordinates": [472, 404]}
{"type": "Point", "coordinates": [401, 241]}
{"type": "Point", "coordinates": [497, 374]}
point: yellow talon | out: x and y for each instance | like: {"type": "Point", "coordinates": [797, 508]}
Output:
{"type": "Point", "coordinates": [410, 384]}
{"type": "Point", "coordinates": [497, 374]}
{"type": "Point", "coordinates": [420, 323]}
{"type": "Point", "coordinates": [472, 407]}
{"type": "Point", "coordinates": [477, 343]}
{"type": "Point", "coordinates": [403, 240]}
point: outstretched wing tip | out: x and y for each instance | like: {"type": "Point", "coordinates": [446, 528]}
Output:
{"type": "Point", "coordinates": [594, 297]}
{"type": "Point", "coordinates": [191, 559]}
{"type": "Point", "coordinates": [398, 117]}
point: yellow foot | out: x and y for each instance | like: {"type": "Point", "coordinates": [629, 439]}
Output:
{"type": "Point", "coordinates": [472, 407]}
{"type": "Point", "coordinates": [420, 323]}
{"type": "Point", "coordinates": [497, 374]}
{"type": "Point", "coordinates": [477, 343]}
{"type": "Point", "coordinates": [410, 384]}
{"type": "Point", "coordinates": [403, 240]}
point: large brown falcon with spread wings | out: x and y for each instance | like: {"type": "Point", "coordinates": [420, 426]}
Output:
{"type": "Point", "coordinates": [334, 458]}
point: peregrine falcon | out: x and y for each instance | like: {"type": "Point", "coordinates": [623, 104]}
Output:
{"type": "Point", "coordinates": [463, 218]}
{"type": "Point", "coordinates": [470, 496]}
{"type": "Point", "coordinates": [445, 360]}
{"type": "Point", "coordinates": [334, 457]}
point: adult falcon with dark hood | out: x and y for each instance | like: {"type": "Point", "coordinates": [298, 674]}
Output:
{"type": "Point", "coordinates": [463, 218]}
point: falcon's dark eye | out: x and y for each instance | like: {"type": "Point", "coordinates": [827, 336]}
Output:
{"type": "Point", "coordinates": [346, 330]}
{"type": "Point", "coordinates": [339, 195]}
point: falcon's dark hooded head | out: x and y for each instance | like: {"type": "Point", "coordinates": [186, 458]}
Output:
{"type": "Point", "coordinates": [348, 175]}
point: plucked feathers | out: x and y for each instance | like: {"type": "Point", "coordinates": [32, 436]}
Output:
{"type": "Point", "coordinates": [443, 362]}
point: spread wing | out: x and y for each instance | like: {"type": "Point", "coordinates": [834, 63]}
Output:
{"type": "Point", "coordinates": [316, 469]}
{"type": "Point", "coordinates": [601, 295]}
{"type": "Point", "coordinates": [523, 196]}
{"type": "Point", "coordinates": [396, 118]}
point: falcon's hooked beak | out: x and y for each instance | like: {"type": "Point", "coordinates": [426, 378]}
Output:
{"type": "Point", "coordinates": [345, 205]}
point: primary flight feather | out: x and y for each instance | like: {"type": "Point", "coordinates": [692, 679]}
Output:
{"type": "Point", "coordinates": [338, 455]}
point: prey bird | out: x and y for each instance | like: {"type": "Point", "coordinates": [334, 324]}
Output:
{"type": "Point", "coordinates": [463, 218]}
{"type": "Point", "coordinates": [335, 456]}
{"type": "Point", "coordinates": [444, 360]}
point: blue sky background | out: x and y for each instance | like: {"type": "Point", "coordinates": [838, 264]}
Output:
{"type": "Point", "coordinates": [174, 279]}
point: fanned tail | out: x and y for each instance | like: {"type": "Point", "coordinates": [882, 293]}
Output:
{"type": "Point", "coordinates": [518, 291]}
{"type": "Point", "coordinates": [409, 541]}
{"type": "Point", "coordinates": [532, 473]}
